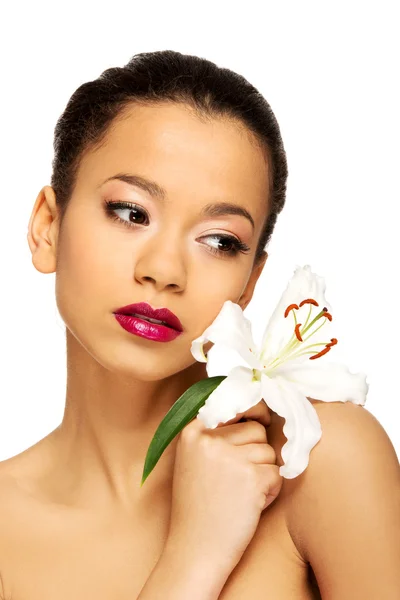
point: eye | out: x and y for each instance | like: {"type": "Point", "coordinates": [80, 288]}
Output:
{"type": "Point", "coordinates": [227, 245]}
{"type": "Point", "coordinates": [135, 214]}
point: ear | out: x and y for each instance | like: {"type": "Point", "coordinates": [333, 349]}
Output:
{"type": "Point", "coordinates": [255, 274]}
{"type": "Point", "coordinates": [43, 231]}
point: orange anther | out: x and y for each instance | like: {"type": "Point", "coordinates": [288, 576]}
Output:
{"type": "Point", "coordinates": [324, 351]}
{"type": "Point", "coordinates": [333, 342]}
{"type": "Point", "coordinates": [297, 332]}
{"type": "Point", "coordinates": [327, 315]}
{"type": "Point", "coordinates": [309, 301]}
{"type": "Point", "coordinates": [289, 308]}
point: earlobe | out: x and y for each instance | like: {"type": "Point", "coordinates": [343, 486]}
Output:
{"type": "Point", "coordinates": [42, 232]}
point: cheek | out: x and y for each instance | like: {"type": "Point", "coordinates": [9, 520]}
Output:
{"type": "Point", "coordinates": [209, 293]}
{"type": "Point", "coordinates": [215, 286]}
{"type": "Point", "coordinates": [87, 270]}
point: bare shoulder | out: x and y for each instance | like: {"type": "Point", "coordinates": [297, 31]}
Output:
{"type": "Point", "coordinates": [343, 511]}
{"type": "Point", "coordinates": [8, 502]}
{"type": "Point", "coordinates": [17, 506]}
{"type": "Point", "coordinates": [11, 501]}
{"type": "Point", "coordinates": [9, 491]}
{"type": "Point", "coordinates": [353, 448]}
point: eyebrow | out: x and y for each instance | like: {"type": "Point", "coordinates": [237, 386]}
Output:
{"type": "Point", "coordinates": [217, 209]}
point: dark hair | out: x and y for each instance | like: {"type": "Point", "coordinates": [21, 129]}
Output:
{"type": "Point", "coordinates": [150, 78]}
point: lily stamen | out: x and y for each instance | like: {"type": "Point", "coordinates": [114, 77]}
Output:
{"type": "Point", "coordinates": [321, 353]}
{"type": "Point", "coordinates": [297, 332]}
{"type": "Point", "coordinates": [302, 352]}
{"type": "Point", "coordinates": [313, 332]}
{"type": "Point", "coordinates": [293, 341]}
{"type": "Point", "coordinates": [290, 346]}
{"type": "Point", "coordinates": [309, 301]}
{"type": "Point", "coordinates": [279, 370]}
{"type": "Point", "coordinates": [289, 308]}
{"type": "Point", "coordinates": [329, 345]}
{"type": "Point", "coordinates": [289, 350]}
{"type": "Point", "coordinates": [323, 313]}
{"type": "Point", "coordinates": [309, 315]}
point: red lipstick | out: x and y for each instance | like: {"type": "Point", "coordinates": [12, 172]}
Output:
{"type": "Point", "coordinates": [139, 319]}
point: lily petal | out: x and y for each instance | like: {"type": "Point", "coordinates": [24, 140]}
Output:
{"type": "Point", "coordinates": [330, 382]}
{"type": "Point", "coordinates": [302, 427]}
{"type": "Point", "coordinates": [235, 394]}
{"type": "Point", "coordinates": [304, 284]}
{"type": "Point", "coordinates": [232, 329]}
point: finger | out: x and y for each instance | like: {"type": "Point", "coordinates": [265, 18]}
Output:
{"type": "Point", "coordinates": [258, 453]}
{"type": "Point", "coordinates": [271, 480]}
{"type": "Point", "coordinates": [241, 433]}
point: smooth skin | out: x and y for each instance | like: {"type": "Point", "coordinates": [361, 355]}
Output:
{"type": "Point", "coordinates": [223, 479]}
{"type": "Point", "coordinates": [342, 514]}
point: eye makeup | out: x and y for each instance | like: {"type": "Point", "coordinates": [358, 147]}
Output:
{"type": "Point", "coordinates": [231, 246]}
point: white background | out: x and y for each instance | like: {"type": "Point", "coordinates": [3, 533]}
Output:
{"type": "Point", "coordinates": [330, 73]}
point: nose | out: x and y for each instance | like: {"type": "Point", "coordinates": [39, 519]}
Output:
{"type": "Point", "coordinates": [161, 262]}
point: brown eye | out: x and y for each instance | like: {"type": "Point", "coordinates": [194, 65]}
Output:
{"type": "Point", "coordinates": [226, 245]}
{"type": "Point", "coordinates": [134, 214]}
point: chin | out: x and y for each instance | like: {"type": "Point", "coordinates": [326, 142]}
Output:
{"type": "Point", "coordinates": [145, 365]}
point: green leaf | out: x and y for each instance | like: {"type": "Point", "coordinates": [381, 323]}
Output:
{"type": "Point", "coordinates": [178, 416]}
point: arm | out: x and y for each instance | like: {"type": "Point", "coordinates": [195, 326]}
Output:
{"type": "Point", "coordinates": [344, 511]}
{"type": "Point", "coordinates": [177, 576]}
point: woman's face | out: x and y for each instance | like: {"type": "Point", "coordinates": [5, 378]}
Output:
{"type": "Point", "coordinates": [163, 251]}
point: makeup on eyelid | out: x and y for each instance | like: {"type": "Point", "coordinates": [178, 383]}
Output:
{"type": "Point", "coordinates": [235, 245]}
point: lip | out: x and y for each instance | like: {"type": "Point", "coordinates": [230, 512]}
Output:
{"type": "Point", "coordinates": [145, 310]}
{"type": "Point", "coordinates": [145, 329]}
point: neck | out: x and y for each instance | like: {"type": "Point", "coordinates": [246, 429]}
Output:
{"type": "Point", "coordinates": [108, 424]}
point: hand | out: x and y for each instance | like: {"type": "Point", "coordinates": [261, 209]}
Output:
{"type": "Point", "coordinates": [223, 479]}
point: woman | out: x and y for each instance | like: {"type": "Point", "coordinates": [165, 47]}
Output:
{"type": "Point", "coordinates": [168, 177]}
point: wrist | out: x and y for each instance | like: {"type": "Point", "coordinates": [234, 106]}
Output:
{"type": "Point", "coordinates": [172, 579]}
{"type": "Point", "coordinates": [201, 570]}
{"type": "Point", "coordinates": [181, 549]}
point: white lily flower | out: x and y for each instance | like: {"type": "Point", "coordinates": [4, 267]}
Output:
{"type": "Point", "coordinates": [284, 371]}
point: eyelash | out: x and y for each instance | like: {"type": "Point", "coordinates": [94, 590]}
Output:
{"type": "Point", "coordinates": [238, 246]}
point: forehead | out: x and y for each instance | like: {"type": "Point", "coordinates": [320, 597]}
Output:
{"type": "Point", "coordinates": [169, 143]}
